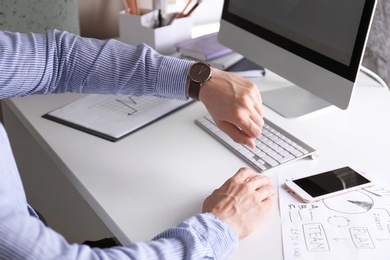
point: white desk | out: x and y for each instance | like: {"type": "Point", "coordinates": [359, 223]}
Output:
{"type": "Point", "coordinates": [159, 176]}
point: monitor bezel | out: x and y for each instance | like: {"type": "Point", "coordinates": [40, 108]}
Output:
{"type": "Point", "coordinates": [348, 72]}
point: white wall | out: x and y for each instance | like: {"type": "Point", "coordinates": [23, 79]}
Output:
{"type": "Point", "coordinates": [39, 15]}
{"type": "Point", "coordinates": [209, 11]}
{"type": "Point", "coordinates": [99, 18]}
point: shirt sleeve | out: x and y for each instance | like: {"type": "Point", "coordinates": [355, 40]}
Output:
{"type": "Point", "coordinates": [23, 236]}
{"type": "Point", "coordinates": [200, 237]}
{"type": "Point", "coordinates": [58, 62]}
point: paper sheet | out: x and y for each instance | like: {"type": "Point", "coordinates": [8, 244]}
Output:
{"type": "Point", "coordinates": [355, 225]}
{"type": "Point", "coordinates": [112, 116]}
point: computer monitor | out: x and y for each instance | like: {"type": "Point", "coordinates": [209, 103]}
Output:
{"type": "Point", "coordinates": [317, 45]}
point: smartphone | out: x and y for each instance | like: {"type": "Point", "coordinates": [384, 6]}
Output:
{"type": "Point", "coordinates": [327, 184]}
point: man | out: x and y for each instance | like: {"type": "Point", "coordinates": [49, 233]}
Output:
{"type": "Point", "coordinates": [59, 62]}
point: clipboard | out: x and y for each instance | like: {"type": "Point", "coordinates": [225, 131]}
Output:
{"type": "Point", "coordinates": [113, 117]}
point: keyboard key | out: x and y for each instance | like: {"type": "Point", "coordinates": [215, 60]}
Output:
{"type": "Point", "coordinates": [270, 161]}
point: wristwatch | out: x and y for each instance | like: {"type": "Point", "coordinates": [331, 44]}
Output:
{"type": "Point", "coordinates": [200, 72]}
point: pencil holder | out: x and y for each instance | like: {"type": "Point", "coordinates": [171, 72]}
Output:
{"type": "Point", "coordinates": [137, 29]}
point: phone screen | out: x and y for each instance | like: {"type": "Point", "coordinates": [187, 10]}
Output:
{"type": "Point", "coordinates": [331, 181]}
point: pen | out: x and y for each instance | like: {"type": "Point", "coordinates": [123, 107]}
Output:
{"type": "Point", "coordinates": [181, 14]}
{"type": "Point", "coordinates": [173, 17]}
{"type": "Point", "coordinates": [159, 18]}
{"type": "Point", "coordinates": [192, 9]}
{"type": "Point", "coordinates": [126, 6]}
{"type": "Point", "coordinates": [132, 6]}
{"type": "Point", "coordinates": [137, 12]}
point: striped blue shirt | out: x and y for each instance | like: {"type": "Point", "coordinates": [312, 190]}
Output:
{"type": "Point", "coordinates": [58, 62]}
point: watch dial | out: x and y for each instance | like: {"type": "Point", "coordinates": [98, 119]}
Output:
{"type": "Point", "coordinates": [200, 72]}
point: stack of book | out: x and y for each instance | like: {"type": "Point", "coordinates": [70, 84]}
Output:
{"type": "Point", "coordinates": [207, 48]}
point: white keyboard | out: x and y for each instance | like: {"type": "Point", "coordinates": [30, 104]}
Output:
{"type": "Point", "coordinates": [274, 147]}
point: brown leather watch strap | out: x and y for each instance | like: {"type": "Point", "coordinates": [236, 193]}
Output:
{"type": "Point", "coordinates": [193, 90]}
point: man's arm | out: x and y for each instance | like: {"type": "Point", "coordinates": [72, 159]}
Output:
{"type": "Point", "coordinates": [205, 236]}
{"type": "Point", "coordinates": [58, 62]}
{"type": "Point", "coordinates": [200, 237]}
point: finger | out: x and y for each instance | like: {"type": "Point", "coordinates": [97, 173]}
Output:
{"type": "Point", "coordinates": [253, 125]}
{"type": "Point", "coordinates": [258, 107]}
{"type": "Point", "coordinates": [266, 204]}
{"type": "Point", "coordinates": [249, 122]}
{"type": "Point", "coordinates": [235, 133]}
{"type": "Point", "coordinates": [258, 111]}
{"type": "Point", "coordinates": [265, 192]}
{"type": "Point", "coordinates": [258, 181]}
{"type": "Point", "coordinates": [257, 118]}
{"type": "Point", "coordinates": [244, 174]}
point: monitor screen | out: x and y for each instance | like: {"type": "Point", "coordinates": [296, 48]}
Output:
{"type": "Point", "coordinates": [304, 41]}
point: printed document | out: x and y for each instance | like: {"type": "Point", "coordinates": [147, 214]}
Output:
{"type": "Point", "coordinates": [355, 225]}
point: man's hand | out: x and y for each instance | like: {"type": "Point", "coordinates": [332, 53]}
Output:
{"type": "Point", "coordinates": [235, 105]}
{"type": "Point", "coordinates": [241, 201]}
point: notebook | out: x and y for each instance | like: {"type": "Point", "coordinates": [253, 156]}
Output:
{"type": "Point", "coordinates": [113, 117]}
{"type": "Point", "coordinates": [203, 48]}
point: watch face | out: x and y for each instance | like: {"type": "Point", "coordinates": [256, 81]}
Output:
{"type": "Point", "coordinates": [200, 72]}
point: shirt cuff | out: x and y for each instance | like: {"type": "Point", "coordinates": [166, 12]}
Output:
{"type": "Point", "coordinates": [219, 235]}
{"type": "Point", "coordinates": [172, 78]}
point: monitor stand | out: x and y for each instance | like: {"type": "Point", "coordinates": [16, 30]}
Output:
{"type": "Point", "coordinates": [292, 101]}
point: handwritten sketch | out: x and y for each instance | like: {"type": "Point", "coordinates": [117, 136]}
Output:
{"type": "Point", "coordinates": [354, 225]}
{"type": "Point", "coordinates": [125, 105]}
{"type": "Point", "coordinates": [351, 203]}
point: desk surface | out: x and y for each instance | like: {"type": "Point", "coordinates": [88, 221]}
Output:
{"type": "Point", "coordinates": [148, 182]}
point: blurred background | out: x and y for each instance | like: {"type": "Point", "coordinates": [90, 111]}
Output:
{"type": "Point", "coordinates": [89, 18]}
